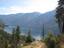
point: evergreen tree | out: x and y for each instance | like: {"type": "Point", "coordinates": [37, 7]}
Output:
{"type": "Point", "coordinates": [42, 33]}
{"type": "Point", "coordinates": [60, 15]}
{"type": "Point", "coordinates": [17, 35]}
{"type": "Point", "coordinates": [13, 39]}
{"type": "Point", "coordinates": [50, 41]}
{"type": "Point", "coordinates": [29, 37]}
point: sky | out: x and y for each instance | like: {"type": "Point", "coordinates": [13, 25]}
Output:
{"type": "Point", "coordinates": [24, 6]}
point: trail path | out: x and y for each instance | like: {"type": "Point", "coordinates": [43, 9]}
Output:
{"type": "Point", "coordinates": [36, 44]}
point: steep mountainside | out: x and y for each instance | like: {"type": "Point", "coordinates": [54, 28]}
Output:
{"type": "Point", "coordinates": [33, 20]}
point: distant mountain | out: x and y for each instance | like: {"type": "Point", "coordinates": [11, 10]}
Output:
{"type": "Point", "coordinates": [34, 20]}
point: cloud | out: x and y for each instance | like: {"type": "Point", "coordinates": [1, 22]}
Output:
{"type": "Point", "coordinates": [10, 10]}
{"type": "Point", "coordinates": [32, 5]}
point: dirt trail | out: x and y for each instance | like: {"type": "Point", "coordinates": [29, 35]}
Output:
{"type": "Point", "coordinates": [36, 44]}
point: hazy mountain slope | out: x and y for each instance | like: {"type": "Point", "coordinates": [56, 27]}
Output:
{"type": "Point", "coordinates": [34, 20]}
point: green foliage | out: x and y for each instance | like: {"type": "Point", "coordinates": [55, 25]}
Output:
{"type": "Point", "coordinates": [16, 37]}
{"type": "Point", "coordinates": [18, 33]}
{"type": "Point", "coordinates": [42, 33]}
{"type": "Point", "coordinates": [6, 44]}
{"type": "Point", "coordinates": [60, 41]}
{"type": "Point", "coordinates": [60, 15]}
{"type": "Point", "coordinates": [61, 38]}
{"type": "Point", "coordinates": [51, 41]}
{"type": "Point", "coordinates": [13, 38]}
{"type": "Point", "coordinates": [4, 36]}
{"type": "Point", "coordinates": [29, 38]}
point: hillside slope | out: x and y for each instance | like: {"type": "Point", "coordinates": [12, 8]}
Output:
{"type": "Point", "coordinates": [35, 20]}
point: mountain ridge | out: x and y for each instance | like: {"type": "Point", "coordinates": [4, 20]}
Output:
{"type": "Point", "coordinates": [34, 20]}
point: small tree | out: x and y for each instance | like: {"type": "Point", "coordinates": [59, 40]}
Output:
{"type": "Point", "coordinates": [29, 38]}
{"type": "Point", "coordinates": [13, 39]}
{"type": "Point", "coordinates": [42, 33]}
{"type": "Point", "coordinates": [51, 41]}
{"type": "Point", "coordinates": [16, 37]}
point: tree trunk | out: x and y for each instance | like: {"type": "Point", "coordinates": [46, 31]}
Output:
{"type": "Point", "coordinates": [63, 28]}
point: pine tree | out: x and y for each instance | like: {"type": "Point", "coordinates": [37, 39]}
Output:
{"type": "Point", "coordinates": [13, 39]}
{"type": "Point", "coordinates": [29, 37]}
{"type": "Point", "coordinates": [17, 36]}
{"type": "Point", "coordinates": [60, 15]}
{"type": "Point", "coordinates": [42, 33]}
